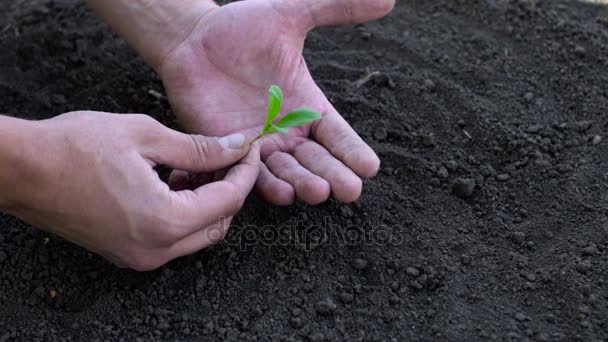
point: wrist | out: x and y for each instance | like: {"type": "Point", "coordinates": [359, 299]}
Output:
{"type": "Point", "coordinates": [15, 155]}
{"type": "Point", "coordinates": [153, 27]}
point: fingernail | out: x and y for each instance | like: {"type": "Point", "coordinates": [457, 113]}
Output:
{"type": "Point", "coordinates": [233, 141]}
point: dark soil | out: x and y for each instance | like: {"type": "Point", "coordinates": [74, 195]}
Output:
{"type": "Point", "coordinates": [488, 220]}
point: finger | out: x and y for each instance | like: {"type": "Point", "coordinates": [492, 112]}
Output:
{"type": "Point", "coordinates": [243, 175]}
{"type": "Point", "coordinates": [336, 135]}
{"type": "Point", "coordinates": [345, 184]}
{"type": "Point", "coordinates": [214, 201]}
{"type": "Point", "coordinates": [273, 189]}
{"type": "Point", "coordinates": [179, 180]}
{"type": "Point", "coordinates": [341, 12]}
{"type": "Point", "coordinates": [201, 239]}
{"type": "Point", "coordinates": [309, 187]}
{"type": "Point", "coordinates": [197, 153]}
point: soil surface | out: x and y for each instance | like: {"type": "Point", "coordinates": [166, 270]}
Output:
{"type": "Point", "coordinates": [488, 220]}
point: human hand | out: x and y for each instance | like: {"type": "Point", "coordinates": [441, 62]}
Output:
{"type": "Point", "coordinates": [217, 79]}
{"type": "Point", "coordinates": [89, 178]}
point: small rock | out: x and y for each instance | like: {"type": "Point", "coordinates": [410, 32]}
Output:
{"type": "Point", "coordinates": [584, 266]}
{"type": "Point", "coordinates": [464, 187]}
{"type": "Point", "coordinates": [346, 297]}
{"type": "Point", "coordinates": [451, 165]}
{"type": "Point", "coordinates": [518, 237]}
{"type": "Point", "coordinates": [596, 140]}
{"type": "Point", "coordinates": [503, 177]}
{"type": "Point", "coordinates": [380, 134]}
{"type": "Point", "coordinates": [428, 140]}
{"type": "Point", "coordinates": [529, 96]}
{"type": "Point", "coordinates": [412, 271]}
{"type": "Point", "coordinates": [346, 211]}
{"type": "Point", "coordinates": [580, 51]}
{"type": "Point", "coordinates": [366, 35]}
{"type": "Point", "coordinates": [465, 259]}
{"type": "Point", "coordinates": [360, 264]}
{"type": "Point", "coordinates": [590, 250]}
{"type": "Point", "coordinates": [520, 317]}
{"type": "Point", "coordinates": [326, 307]}
{"type": "Point", "coordinates": [534, 128]}
{"type": "Point", "coordinates": [428, 85]}
{"type": "Point", "coordinates": [582, 125]}
{"type": "Point", "coordinates": [442, 172]}
{"type": "Point", "coordinates": [296, 322]}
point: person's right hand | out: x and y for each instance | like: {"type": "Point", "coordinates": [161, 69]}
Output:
{"type": "Point", "coordinates": [89, 178]}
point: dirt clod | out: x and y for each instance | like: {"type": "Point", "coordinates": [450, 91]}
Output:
{"type": "Point", "coordinates": [464, 187]}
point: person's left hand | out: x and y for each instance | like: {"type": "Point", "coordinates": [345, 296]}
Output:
{"type": "Point", "coordinates": [217, 79]}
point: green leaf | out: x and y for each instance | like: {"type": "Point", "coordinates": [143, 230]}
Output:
{"type": "Point", "coordinates": [274, 104]}
{"type": "Point", "coordinates": [298, 117]}
{"type": "Point", "coordinates": [276, 129]}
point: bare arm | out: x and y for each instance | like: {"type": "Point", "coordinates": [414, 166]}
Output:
{"type": "Point", "coordinates": [152, 27]}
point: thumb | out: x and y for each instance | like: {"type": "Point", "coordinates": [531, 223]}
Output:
{"type": "Point", "coordinates": [198, 153]}
{"type": "Point", "coordinates": [341, 12]}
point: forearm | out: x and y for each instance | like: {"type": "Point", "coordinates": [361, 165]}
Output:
{"type": "Point", "coordinates": [14, 153]}
{"type": "Point", "coordinates": [152, 27]}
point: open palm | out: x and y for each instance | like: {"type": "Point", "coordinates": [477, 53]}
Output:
{"type": "Point", "coordinates": [217, 80]}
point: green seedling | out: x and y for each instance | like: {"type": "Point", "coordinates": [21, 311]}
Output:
{"type": "Point", "coordinates": [294, 118]}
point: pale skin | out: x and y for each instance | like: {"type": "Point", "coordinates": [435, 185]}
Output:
{"type": "Point", "coordinates": [89, 177]}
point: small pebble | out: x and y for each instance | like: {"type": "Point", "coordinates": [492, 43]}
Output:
{"type": "Point", "coordinates": [412, 271]}
{"type": "Point", "coordinates": [503, 177]}
{"type": "Point", "coordinates": [359, 264]}
{"type": "Point", "coordinates": [296, 322]}
{"type": "Point", "coordinates": [346, 211]}
{"type": "Point", "coordinates": [584, 266]}
{"type": "Point", "coordinates": [428, 140]}
{"type": "Point", "coordinates": [346, 297]}
{"type": "Point", "coordinates": [380, 134]}
{"type": "Point", "coordinates": [442, 172]}
{"type": "Point", "coordinates": [518, 237]}
{"type": "Point", "coordinates": [464, 187]}
{"type": "Point", "coordinates": [590, 250]}
{"type": "Point", "coordinates": [428, 84]}
{"type": "Point", "coordinates": [326, 307]}
{"type": "Point", "coordinates": [451, 165]}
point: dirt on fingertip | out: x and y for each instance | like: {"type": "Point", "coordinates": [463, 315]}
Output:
{"type": "Point", "coordinates": [487, 221]}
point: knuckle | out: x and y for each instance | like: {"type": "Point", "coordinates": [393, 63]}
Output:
{"type": "Point", "coordinates": [277, 160]}
{"type": "Point", "coordinates": [146, 122]}
{"type": "Point", "coordinates": [350, 184]}
{"type": "Point", "coordinates": [202, 147]}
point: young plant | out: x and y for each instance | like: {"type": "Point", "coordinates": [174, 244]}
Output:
{"type": "Point", "coordinates": [298, 117]}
